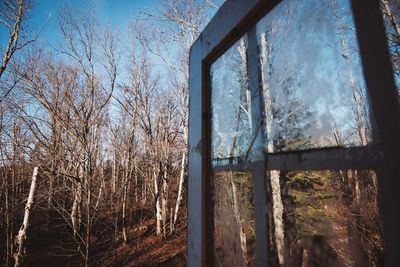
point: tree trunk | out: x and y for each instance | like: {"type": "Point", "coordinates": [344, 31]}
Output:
{"type": "Point", "coordinates": [8, 226]}
{"type": "Point", "coordinates": [242, 234]}
{"type": "Point", "coordinates": [88, 227]}
{"type": "Point", "coordinates": [354, 222]}
{"type": "Point", "coordinates": [164, 202]}
{"type": "Point", "coordinates": [12, 45]}
{"type": "Point", "coordinates": [102, 185]}
{"type": "Point", "coordinates": [278, 214]}
{"type": "Point", "coordinates": [181, 180]}
{"type": "Point", "coordinates": [392, 18]}
{"type": "Point", "coordinates": [136, 179]}
{"type": "Point", "coordinates": [359, 99]}
{"type": "Point", "coordinates": [124, 199]}
{"type": "Point", "coordinates": [157, 202]}
{"type": "Point", "coordinates": [21, 237]}
{"type": "Point", "coordinates": [277, 205]}
{"type": "Point", "coordinates": [75, 208]}
{"type": "Point", "coordinates": [114, 173]}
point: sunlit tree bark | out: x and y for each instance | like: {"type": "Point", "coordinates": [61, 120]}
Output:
{"type": "Point", "coordinates": [23, 231]}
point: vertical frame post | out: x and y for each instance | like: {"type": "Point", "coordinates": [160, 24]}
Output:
{"type": "Point", "coordinates": [258, 170]}
{"type": "Point", "coordinates": [195, 232]}
{"type": "Point", "coordinates": [381, 88]}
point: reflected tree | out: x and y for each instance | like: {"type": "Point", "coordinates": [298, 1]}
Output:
{"type": "Point", "coordinates": [391, 15]}
{"type": "Point", "coordinates": [234, 224]}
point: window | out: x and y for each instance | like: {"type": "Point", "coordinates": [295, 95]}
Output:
{"type": "Point", "coordinates": [293, 157]}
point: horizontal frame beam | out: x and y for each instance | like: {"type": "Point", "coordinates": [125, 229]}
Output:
{"type": "Point", "coordinates": [368, 157]}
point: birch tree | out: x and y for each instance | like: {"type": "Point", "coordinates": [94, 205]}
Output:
{"type": "Point", "coordinates": [183, 22]}
{"type": "Point", "coordinates": [14, 16]}
{"type": "Point", "coordinates": [277, 209]}
{"type": "Point", "coordinates": [23, 231]}
{"type": "Point", "coordinates": [75, 97]}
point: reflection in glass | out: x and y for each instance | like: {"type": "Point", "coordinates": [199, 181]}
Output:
{"type": "Point", "coordinates": [313, 87]}
{"type": "Point", "coordinates": [314, 96]}
{"type": "Point", "coordinates": [391, 15]}
{"type": "Point", "coordinates": [233, 129]}
{"type": "Point", "coordinates": [324, 218]}
{"type": "Point", "coordinates": [234, 224]}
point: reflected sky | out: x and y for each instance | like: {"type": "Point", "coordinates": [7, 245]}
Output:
{"type": "Point", "coordinates": [312, 82]}
{"type": "Point", "coordinates": [313, 73]}
{"type": "Point", "coordinates": [232, 126]}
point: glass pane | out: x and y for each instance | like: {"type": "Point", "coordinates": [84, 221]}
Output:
{"type": "Point", "coordinates": [324, 218]}
{"type": "Point", "coordinates": [391, 16]}
{"type": "Point", "coordinates": [234, 224]}
{"type": "Point", "coordinates": [234, 130]}
{"type": "Point", "coordinates": [313, 87]}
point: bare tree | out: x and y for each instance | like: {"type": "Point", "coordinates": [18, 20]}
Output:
{"type": "Point", "coordinates": [23, 231]}
{"type": "Point", "coordinates": [183, 21]}
{"type": "Point", "coordinates": [74, 99]}
{"type": "Point", "coordinates": [14, 15]}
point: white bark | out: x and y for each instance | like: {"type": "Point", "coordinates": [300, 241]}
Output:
{"type": "Point", "coordinates": [114, 173]}
{"type": "Point", "coordinates": [144, 193]}
{"type": "Point", "coordinates": [242, 234]}
{"type": "Point", "coordinates": [124, 199]}
{"type": "Point", "coordinates": [181, 180]}
{"type": "Point", "coordinates": [171, 219]}
{"type": "Point", "coordinates": [100, 191]}
{"type": "Point", "coordinates": [75, 208]}
{"type": "Point", "coordinates": [242, 49]}
{"type": "Point", "coordinates": [136, 179]}
{"type": "Point", "coordinates": [357, 188]}
{"type": "Point", "coordinates": [12, 44]}
{"type": "Point", "coordinates": [277, 205]}
{"type": "Point", "coordinates": [102, 185]}
{"type": "Point", "coordinates": [278, 214]}
{"type": "Point", "coordinates": [158, 206]}
{"type": "Point", "coordinates": [21, 237]}
{"type": "Point", "coordinates": [164, 202]}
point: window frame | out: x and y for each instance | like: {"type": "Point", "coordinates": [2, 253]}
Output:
{"type": "Point", "coordinates": [236, 18]}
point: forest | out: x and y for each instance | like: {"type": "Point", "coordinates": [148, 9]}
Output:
{"type": "Point", "coordinates": [94, 134]}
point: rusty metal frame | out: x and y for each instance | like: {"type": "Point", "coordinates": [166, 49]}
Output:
{"type": "Point", "coordinates": [234, 19]}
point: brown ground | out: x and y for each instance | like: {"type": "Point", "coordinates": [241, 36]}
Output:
{"type": "Point", "coordinates": [143, 248]}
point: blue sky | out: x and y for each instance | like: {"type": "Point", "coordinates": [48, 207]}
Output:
{"type": "Point", "coordinates": [116, 13]}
